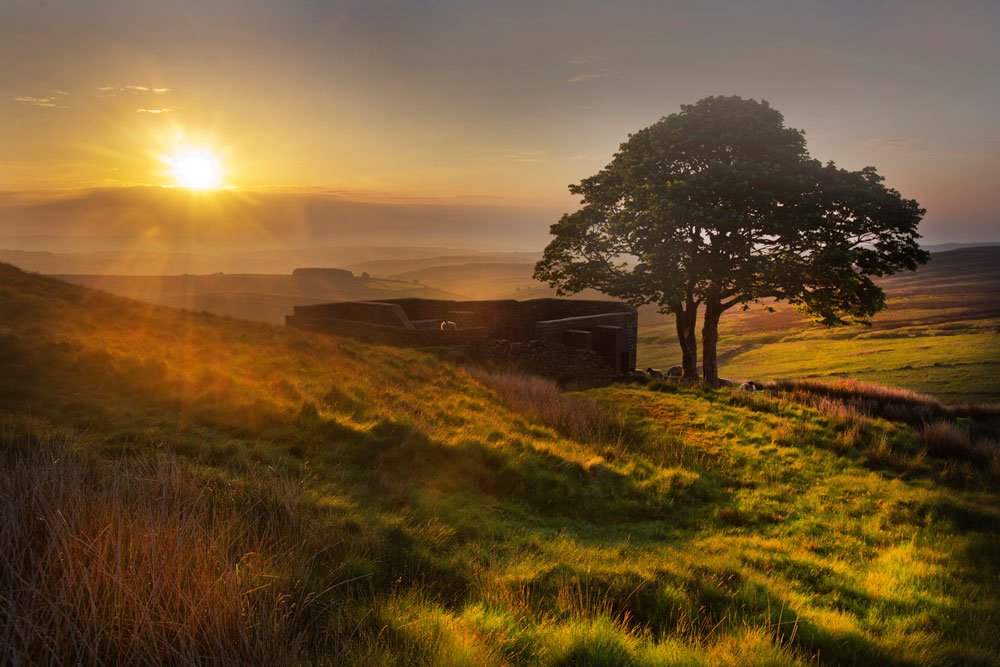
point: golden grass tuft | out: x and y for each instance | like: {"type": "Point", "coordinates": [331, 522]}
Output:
{"type": "Point", "coordinates": [578, 417]}
{"type": "Point", "coordinates": [865, 398]}
{"type": "Point", "coordinates": [137, 563]}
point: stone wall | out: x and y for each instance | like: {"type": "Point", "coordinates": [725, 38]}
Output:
{"type": "Point", "coordinates": [612, 335]}
{"type": "Point", "coordinates": [388, 335]}
{"type": "Point", "coordinates": [509, 319]}
{"type": "Point", "coordinates": [547, 333]}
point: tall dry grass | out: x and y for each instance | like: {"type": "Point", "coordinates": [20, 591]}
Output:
{"type": "Point", "coordinates": [140, 563]}
{"type": "Point", "coordinates": [866, 398]}
{"type": "Point", "coordinates": [965, 437]}
{"type": "Point", "coordinates": [580, 418]}
{"type": "Point", "coordinates": [946, 440]}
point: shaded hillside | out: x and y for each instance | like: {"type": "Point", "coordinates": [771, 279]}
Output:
{"type": "Point", "coordinates": [184, 488]}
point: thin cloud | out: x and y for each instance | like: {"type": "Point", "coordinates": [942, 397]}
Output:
{"type": "Point", "coordinates": [111, 91]}
{"type": "Point", "coordinates": [891, 143]}
{"type": "Point", "coordinates": [153, 111]}
{"type": "Point", "coordinates": [589, 76]}
{"type": "Point", "coordinates": [49, 102]}
{"type": "Point", "coordinates": [526, 156]}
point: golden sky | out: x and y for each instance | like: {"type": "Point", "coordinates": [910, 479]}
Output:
{"type": "Point", "coordinates": [476, 113]}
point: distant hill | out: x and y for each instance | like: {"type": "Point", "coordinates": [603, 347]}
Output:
{"type": "Point", "coordinates": [480, 280]}
{"type": "Point", "coordinates": [142, 262]}
{"type": "Point", "coordinates": [945, 247]}
{"type": "Point", "coordinates": [266, 298]}
{"type": "Point", "coordinates": [390, 267]}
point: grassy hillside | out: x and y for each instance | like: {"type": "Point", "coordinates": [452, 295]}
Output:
{"type": "Point", "coordinates": [183, 488]}
{"type": "Point", "coordinates": [940, 334]}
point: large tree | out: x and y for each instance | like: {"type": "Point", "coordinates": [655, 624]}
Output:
{"type": "Point", "coordinates": [721, 205]}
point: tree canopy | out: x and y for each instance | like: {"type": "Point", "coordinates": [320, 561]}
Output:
{"type": "Point", "coordinates": [721, 205]}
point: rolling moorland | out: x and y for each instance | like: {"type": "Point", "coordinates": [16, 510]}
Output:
{"type": "Point", "coordinates": [182, 487]}
{"type": "Point", "coordinates": [938, 334]}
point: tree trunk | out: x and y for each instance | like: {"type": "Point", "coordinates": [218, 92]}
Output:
{"type": "Point", "coordinates": [710, 342]}
{"type": "Point", "coordinates": [687, 321]}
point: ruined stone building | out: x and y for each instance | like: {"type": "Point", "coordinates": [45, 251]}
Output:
{"type": "Point", "coordinates": [607, 329]}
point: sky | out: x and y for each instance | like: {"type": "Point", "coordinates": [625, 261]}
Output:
{"type": "Point", "coordinates": [461, 122]}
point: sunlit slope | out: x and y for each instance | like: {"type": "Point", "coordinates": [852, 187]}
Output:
{"type": "Point", "coordinates": [380, 506]}
{"type": "Point", "coordinates": [940, 333]}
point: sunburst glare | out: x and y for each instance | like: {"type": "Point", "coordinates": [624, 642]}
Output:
{"type": "Point", "coordinates": [195, 168]}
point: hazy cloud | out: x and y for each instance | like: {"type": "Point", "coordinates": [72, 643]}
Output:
{"type": "Point", "coordinates": [587, 76]}
{"type": "Point", "coordinates": [145, 89]}
{"type": "Point", "coordinates": [153, 111]}
{"type": "Point", "coordinates": [50, 102]}
{"type": "Point", "coordinates": [111, 91]}
{"type": "Point", "coordinates": [526, 156]}
{"type": "Point", "coordinates": [891, 143]}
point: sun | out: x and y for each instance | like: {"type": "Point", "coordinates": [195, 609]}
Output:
{"type": "Point", "coordinates": [195, 168]}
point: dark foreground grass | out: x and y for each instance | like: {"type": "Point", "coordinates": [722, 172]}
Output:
{"type": "Point", "coordinates": [186, 489]}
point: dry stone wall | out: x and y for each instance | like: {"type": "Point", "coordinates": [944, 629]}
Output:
{"type": "Point", "coordinates": [545, 336]}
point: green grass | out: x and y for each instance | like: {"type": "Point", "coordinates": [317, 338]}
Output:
{"type": "Point", "coordinates": [964, 366]}
{"type": "Point", "coordinates": [326, 501]}
{"type": "Point", "coordinates": [940, 334]}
